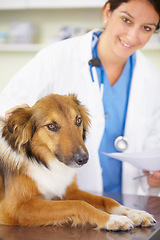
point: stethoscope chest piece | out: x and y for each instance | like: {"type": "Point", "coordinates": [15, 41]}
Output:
{"type": "Point", "coordinates": [121, 143]}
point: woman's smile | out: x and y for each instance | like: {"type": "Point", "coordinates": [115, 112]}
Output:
{"type": "Point", "coordinates": [124, 44]}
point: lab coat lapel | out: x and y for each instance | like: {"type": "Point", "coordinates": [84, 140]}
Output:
{"type": "Point", "coordinates": [135, 124]}
{"type": "Point", "coordinates": [135, 121]}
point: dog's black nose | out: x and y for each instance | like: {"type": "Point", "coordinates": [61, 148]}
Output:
{"type": "Point", "coordinates": [81, 158]}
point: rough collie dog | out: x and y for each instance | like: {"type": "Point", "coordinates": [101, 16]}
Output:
{"type": "Point", "coordinates": [40, 149]}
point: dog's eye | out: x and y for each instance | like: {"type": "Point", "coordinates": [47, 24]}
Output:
{"type": "Point", "coordinates": [78, 121]}
{"type": "Point", "coordinates": [52, 127]}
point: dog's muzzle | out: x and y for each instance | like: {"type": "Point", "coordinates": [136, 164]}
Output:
{"type": "Point", "coordinates": [81, 158]}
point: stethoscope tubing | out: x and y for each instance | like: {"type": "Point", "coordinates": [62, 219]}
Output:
{"type": "Point", "coordinates": [121, 142]}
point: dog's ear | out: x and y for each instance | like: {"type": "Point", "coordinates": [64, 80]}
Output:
{"type": "Point", "coordinates": [20, 125]}
{"type": "Point", "coordinates": [84, 114]}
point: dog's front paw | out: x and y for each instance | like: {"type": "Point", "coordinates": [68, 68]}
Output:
{"type": "Point", "coordinates": [119, 223]}
{"type": "Point", "coordinates": [139, 218]}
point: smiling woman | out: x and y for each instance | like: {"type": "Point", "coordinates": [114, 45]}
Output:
{"type": "Point", "coordinates": [128, 29]}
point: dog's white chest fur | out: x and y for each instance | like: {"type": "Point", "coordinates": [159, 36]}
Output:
{"type": "Point", "coordinates": [51, 182]}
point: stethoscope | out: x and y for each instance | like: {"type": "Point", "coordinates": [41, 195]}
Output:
{"type": "Point", "coordinates": [121, 142]}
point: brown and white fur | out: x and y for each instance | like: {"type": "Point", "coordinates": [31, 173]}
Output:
{"type": "Point", "coordinates": [40, 149]}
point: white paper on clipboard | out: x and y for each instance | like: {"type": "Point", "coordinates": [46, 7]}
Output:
{"type": "Point", "coordinates": [147, 160]}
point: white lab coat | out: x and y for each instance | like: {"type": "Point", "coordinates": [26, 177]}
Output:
{"type": "Point", "coordinates": [63, 68]}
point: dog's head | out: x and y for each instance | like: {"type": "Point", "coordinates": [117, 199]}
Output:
{"type": "Point", "coordinates": [55, 127]}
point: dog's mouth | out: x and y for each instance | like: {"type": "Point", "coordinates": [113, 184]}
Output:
{"type": "Point", "coordinates": [77, 160]}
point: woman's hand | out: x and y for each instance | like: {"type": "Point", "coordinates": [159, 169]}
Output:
{"type": "Point", "coordinates": [9, 111]}
{"type": "Point", "coordinates": [153, 179]}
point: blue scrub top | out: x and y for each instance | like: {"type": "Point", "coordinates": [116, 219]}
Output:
{"type": "Point", "coordinates": [115, 103]}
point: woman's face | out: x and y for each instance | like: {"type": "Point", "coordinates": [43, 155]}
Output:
{"type": "Point", "coordinates": [130, 26]}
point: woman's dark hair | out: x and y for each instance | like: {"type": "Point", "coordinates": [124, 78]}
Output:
{"type": "Point", "coordinates": [116, 3]}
